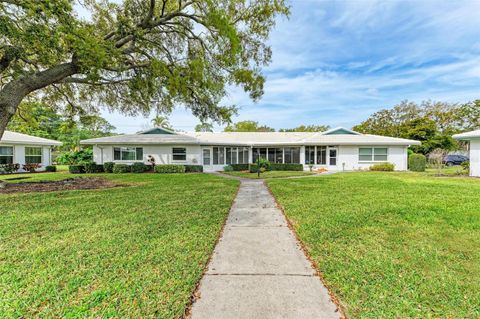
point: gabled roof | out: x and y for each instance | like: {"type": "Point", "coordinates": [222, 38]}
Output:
{"type": "Point", "coordinates": [19, 138]}
{"type": "Point", "coordinates": [338, 136]}
{"type": "Point", "coordinates": [467, 135]}
{"type": "Point", "coordinates": [158, 130]}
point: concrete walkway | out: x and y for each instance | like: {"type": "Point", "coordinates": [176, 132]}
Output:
{"type": "Point", "coordinates": [257, 269]}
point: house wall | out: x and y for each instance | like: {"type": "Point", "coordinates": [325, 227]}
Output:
{"type": "Point", "coordinates": [161, 153]}
{"type": "Point", "coordinates": [19, 155]}
{"type": "Point", "coordinates": [475, 157]}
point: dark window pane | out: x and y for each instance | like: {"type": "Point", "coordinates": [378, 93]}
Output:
{"type": "Point", "coordinates": [179, 154]}
{"type": "Point", "coordinates": [333, 157]}
{"type": "Point", "coordinates": [296, 155]}
{"type": "Point", "coordinates": [309, 154]}
{"type": "Point", "coordinates": [6, 159]}
{"type": "Point", "coordinates": [321, 155]}
{"type": "Point", "coordinates": [288, 155]}
{"type": "Point", "coordinates": [271, 155]}
{"type": "Point", "coordinates": [139, 154]}
{"type": "Point", "coordinates": [116, 154]}
{"type": "Point", "coordinates": [279, 155]}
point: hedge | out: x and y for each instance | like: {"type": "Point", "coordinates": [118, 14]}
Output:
{"type": "Point", "coordinates": [76, 169]}
{"type": "Point", "coordinates": [383, 167]}
{"type": "Point", "coordinates": [138, 168]}
{"type": "Point", "coordinates": [93, 168]}
{"type": "Point", "coordinates": [278, 167]}
{"type": "Point", "coordinates": [417, 162]}
{"type": "Point", "coordinates": [239, 167]}
{"type": "Point", "coordinates": [108, 167]}
{"type": "Point", "coordinates": [169, 168]}
{"type": "Point", "coordinates": [121, 168]}
{"type": "Point", "coordinates": [193, 168]}
{"type": "Point", "coordinates": [50, 168]}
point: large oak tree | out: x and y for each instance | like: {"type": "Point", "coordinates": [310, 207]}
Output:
{"type": "Point", "coordinates": [133, 55]}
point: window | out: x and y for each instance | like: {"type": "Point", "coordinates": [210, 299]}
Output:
{"type": "Point", "coordinates": [243, 155]}
{"type": "Point", "coordinates": [6, 154]}
{"type": "Point", "coordinates": [279, 155]}
{"type": "Point", "coordinates": [179, 154]}
{"type": "Point", "coordinates": [309, 154]}
{"type": "Point", "coordinates": [206, 156]}
{"type": "Point", "coordinates": [218, 156]}
{"type": "Point", "coordinates": [321, 155]}
{"type": "Point", "coordinates": [373, 154]}
{"type": "Point", "coordinates": [271, 155]}
{"type": "Point", "coordinates": [231, 154]}
{"type": "Point", "coordinates": [291, 155]}
{"type": "Point", "coordinates": [262, 152]}
{"type": "Point", "coordinates": [33, 155]}
{"type": "Point", "coordinates": [127, 153]}
{"type": "Point", "coordinates": [333, 156]}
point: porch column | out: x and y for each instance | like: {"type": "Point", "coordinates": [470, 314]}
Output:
{"type": "Point", "coordinates": [250, 154]}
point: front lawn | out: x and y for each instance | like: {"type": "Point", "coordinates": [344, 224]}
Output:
{"type": "Point", "coordinates": [270, 174]}
{"type": "Point", "coordinates": [125, 252]}
{"type": "Point", "coordinates": [391, 245]}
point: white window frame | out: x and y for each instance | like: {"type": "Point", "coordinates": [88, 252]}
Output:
{"type": "Point", "coordinates": [372, 159]}
{"type": "Point", "coordinates": [13, 152]}
{"type": "Point", "coordinates": [33, 146]}
{"type": "Point", "coordinates": [127, 161]}
{"type": "Point", "coordinates": [173, 154]}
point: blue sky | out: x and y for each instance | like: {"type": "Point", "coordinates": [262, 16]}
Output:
{"type": "Point", "coordinates": [336, 62]}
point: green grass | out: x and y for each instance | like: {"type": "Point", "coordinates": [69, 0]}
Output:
{"type": "Point", "coordinates": [391, 245]}
{"type": "Point", "coordinates": [270, 174]}
{"type": "Point", "coordinates": [129, 252]}
{"type": "Point", "coordinates": [448, 171]}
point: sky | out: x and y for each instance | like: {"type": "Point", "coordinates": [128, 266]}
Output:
{"type": "Point", "coordinates": [337, 62]}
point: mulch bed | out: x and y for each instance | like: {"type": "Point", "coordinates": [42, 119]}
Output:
{"type": "Point", "coordinates": [53, 186]}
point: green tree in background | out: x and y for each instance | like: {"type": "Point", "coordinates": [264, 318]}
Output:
{"type": "Point", "coordinates": [36, 119]}
{"type": "Point", "coordinates": [134, 56]}
{"type": "Point", "coordinates": [248, 126]}
{"type": "Point", "coordinates": [204, 127]}
{"type": "Point", "coordinates": [306, 128]}
{"type": "Point", "coordinates": [432, 123]}
{"type": "Point", "coordinates": [160, 121]}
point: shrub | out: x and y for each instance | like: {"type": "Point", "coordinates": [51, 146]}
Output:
{"type": "Point", "coordinates": [9, 168]}
{"type": "Point", "coordinates": [169, 168]}
{"type": "Point", "coordinates": [138, 168]}
{"type": "Point", "coordinates": [239, 167]}
{"type": "Point", "coordinates": [383, 167]}
{"type": "Point", "coordinates": [286, 167]}
{"type": "Point", "coordinates": [50, 168]}
{"type": "Point", "coordinates": [76, 169]}
{"type": "Point", "coordinates": [417, 162]}
{"type": "Point", "coordinates": [108, 167]}
{"type": "Point", "coordinates": [466, 165]}
{"type": "Point", "coordinates": [93, 168]}
{"type": "Point", "coordinates": [121, 168]}
{"type": "Point", "coordinates": [193, 168]}
{"type": "Point", "coordinates": [228, 168]}
{"type": "Point", "coordinates": [75, 157]}
{"type": "Point", "coordinates": [32, 167]}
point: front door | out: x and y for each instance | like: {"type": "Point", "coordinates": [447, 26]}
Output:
{"type": "Point", "coordinates": [207, 158]}
{"type": "Point", "coordinates": [332, 156]}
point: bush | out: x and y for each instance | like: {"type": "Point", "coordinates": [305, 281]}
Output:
{"type": "Point", "coordinates": [108, 167]}
{"type": "Point", "coordinates": [76, 169]}
{"type": "Point", "coordinates": [286, 167]}
{"type": "Point", "coordinates": [32, 167]}
{"type": "Point", "coordinates": [93, 168]}
{"type": "Point", "coordinates": [50, 168]}
{"type": "Point", "coordinates": [193, 168]}
{"type": "Point", "coordinates": [383, 167]}
{"type": "Point", "coordinates": [228, 168]}
{"type": "Point", "coordinates": [169, 168]}
{"type": "Point", "coordinates": [417, 162]}
{"type": "Point", "coordinates": [239, 167]}
{"type": "Point", "coordinates": [9, 168]}
{"type": "Point", "coordinates": [121, 168]}
{"type": "Point", "coordinates": [466, 165]}
{"type": "Point", "coordinates": [138, 168]}
{"type": "Point", "coordinates": [75, 157]}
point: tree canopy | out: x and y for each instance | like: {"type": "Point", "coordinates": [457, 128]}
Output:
{"type": "Point", "coordinates": [432, 123]}
{"type": "Point", "coordinates": [134, 56]}
{"type": "Point", "coordinates": [248, 126]}
{"type": "Point", "coordinates": [39, 120]}
{"type": "Point", "coordinates": [204, 127]}
{"type": "Point", "coordinates": [306, 128]}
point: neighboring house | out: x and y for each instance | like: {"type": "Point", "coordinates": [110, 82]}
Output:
{"type": "Point", "coordinates": [336, 149]}
{"type": "Point", "coordinates": [25, 149]}
{"type": "Point", "coordinates": [474, 139]}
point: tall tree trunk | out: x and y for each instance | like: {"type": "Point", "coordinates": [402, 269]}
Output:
{"type": "Point", "coordinates": [13, 93]}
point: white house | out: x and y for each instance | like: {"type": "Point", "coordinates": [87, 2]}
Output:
{"type": "Point", "coordinates": [25, 149]}
{"type": "Point", "coordinates": [336, 149]}
{"type": "Point", "coordinates": [474, 139]}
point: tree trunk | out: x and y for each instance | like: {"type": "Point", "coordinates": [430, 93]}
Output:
{"type": "Point", "coordinates": [13, 93]}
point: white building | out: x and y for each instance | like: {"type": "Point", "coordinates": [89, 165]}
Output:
{"type": "Point", "coordinates": [474, 139]}
{"type": "Point", "coordinates": [17, 148]}
{"type": "Point", "coordinates": [337, 149]}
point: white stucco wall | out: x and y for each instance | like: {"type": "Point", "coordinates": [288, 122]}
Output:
{"type": "Point", "coordinates": [348, 158]}
{"type": "Point", "coordinates": [475, 157]}
{"type": "Point", "coordinates": [19, 155]}
{"type": "Point", "coordinates": [161, 153]}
